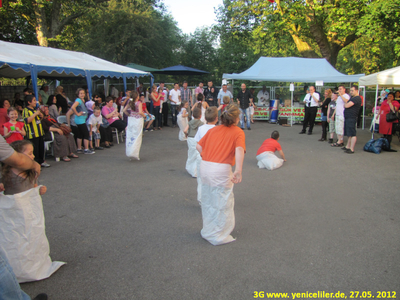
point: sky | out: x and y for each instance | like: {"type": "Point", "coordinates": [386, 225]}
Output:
{"type": "Point", "coordinates": [191, 14]}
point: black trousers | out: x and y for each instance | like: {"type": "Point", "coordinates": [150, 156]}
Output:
{"type": "Point", "coordinates": [38, 149]}
{"type": "Point", "coordinates": [309, 118]}
{"type": "Point", "coordinates": [157, 117]}
{"type": "Point", "coordinates": [105, 134]}
{"type": "Point", "coordinates": [359, 119]}
{"type": "Point", "coordinates": [165, 109]}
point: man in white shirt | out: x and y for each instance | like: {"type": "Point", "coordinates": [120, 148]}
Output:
{"type": "Point", "coordinates": [263, 97]}
{"type": "Point", "coordinates": [311, 102]}
{"type": "Point", "coordinates": [114, 92]}
{"type": "Point", "coordinates": [342, 99]}
{"type": "Point", "coordinates": [175, 98]}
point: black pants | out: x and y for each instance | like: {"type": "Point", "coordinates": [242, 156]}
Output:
{"type": "Point", "coordinates": [165, 109]}
{"type": "Point", "coordinates": [359, 116]}
{"type": "Point", "coordinates": [157, 117]}
{"type": "Point", "coordinates": [325, 125]}
{"type": "Point", "coordinates": [105, 134]}
{"type": "Point", "coordinates": [38, 149]}
{"type": "Point", "coordinates": [119, 124]}
{"type": "Point", "coordinates": [309, 118]}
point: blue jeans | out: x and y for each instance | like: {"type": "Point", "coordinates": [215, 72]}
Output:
{"type": "Point", "coordinates": [174, 113]}
{"type": "Point", "coordinates": [242, 113]}
{"type": "Point", "coordinates": [9, 286]}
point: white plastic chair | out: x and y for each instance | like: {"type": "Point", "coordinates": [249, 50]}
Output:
{"type": "Point", "coordinates": [62, 119]}
{"type": "Point", "coordinates": [48, 146]}
{"type": "Point", "coordinates": [115, 130]}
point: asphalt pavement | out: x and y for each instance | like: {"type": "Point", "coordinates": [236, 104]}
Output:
{"type": "Point", "coordinates": [326, 221]}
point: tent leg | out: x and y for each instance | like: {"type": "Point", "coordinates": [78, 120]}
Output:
{"type": "Point", "coordinates": [376, 100]}
{"type": "Point", "coordinates": [365, 101]}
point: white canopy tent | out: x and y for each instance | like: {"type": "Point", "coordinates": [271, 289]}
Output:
{"type": "Point", "coordinates": [387, 78]}
{"type": "Point", "coordinates": [293, 69]}
{"type": "Point", "coordinates": [19, 60]}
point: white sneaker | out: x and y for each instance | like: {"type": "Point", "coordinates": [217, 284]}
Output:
{"type": "Point", "coordinates": [87, 151]}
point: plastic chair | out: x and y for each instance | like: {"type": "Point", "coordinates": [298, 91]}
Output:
{"type": "Point", "coordinates": [115, 130]}
{"type": "Point", "coordinates": [62, 119]}
{"type": "Point", "coordinates": [48, 146]}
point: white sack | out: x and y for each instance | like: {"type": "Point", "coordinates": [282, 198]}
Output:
{"type": "Point", "coordinates": [268, 160]}
{"type": "Point", "coordinates": [193, 155]}
{"type": "Point", "coordinates": [182, 123]}
{"type": "Point", "coordinates": [198, 163]}
{"type": "Point", "coordinates": [23, 237]}
{"type": "Point", "coordinates": [134, 133]}
{"type": "Point", "coordinates": [217, 202]}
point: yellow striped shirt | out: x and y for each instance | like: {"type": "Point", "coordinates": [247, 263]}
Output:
{"type": "Point", "coordinates": [33, 129]}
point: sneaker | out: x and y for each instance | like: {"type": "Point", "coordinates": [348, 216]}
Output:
{"type": "Point", "coordinates": [99, 148]}
{"type": "Point", "coordinates": [87, 151]}
{"type": "Point", "coordinates": [302, 132]}
{"type": "Point", "coordinates": [45, 165]}
{"type": "Point", "coordinates": [41, 296]}
{"type": "Point", "coordinates": [150, 129]}
{"type": "Point", "coordinates": [79, 151]}
{"type": "Point", "coordinates": [91, 149]}
{"type": "Point", "coordinates": [249, 128]}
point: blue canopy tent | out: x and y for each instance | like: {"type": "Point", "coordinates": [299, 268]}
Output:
{"type": "Point", "coordinates": [181, 70]}
{"type": "Point", "coordinates": [19, 60]}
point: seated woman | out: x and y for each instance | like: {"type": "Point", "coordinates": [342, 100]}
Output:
{"type": "Point", "coordinates": [54, 112]}
{"type": "Point", "coordinates": [112, 115]}
{"type": "Point", "coordinates": [64, 143]}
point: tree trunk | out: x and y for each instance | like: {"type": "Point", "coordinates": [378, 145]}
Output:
{"type": "Point", "coordinates": [41, 25]}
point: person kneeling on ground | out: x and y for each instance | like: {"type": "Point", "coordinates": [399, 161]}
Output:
{"type": "Point", "coordinates": [266, 153]}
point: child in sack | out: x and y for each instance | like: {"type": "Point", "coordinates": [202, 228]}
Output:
{"type": "Point", "coordinates": [14, 181]}
{"type": "Point", "coordinates": [266, 153]}
{"type": "Point", "coordinates": [191, 130]}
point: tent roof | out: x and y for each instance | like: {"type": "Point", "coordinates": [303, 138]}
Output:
{"type": "Point", "coordinates": [182, 70]}
{"type": "Point", "coordinates": [293, 69]}
{"type": "Point", "coordinates": [142, 68]}
{"type": "Point", "coordinates": [390, 78]}
{"type": "Point", "coordinates": [16, 60]}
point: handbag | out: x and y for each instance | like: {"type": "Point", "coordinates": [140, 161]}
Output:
{"type": "Point", "coordinates": [391, 117]}
{"type": "Point", "coordinates": [65, 129]}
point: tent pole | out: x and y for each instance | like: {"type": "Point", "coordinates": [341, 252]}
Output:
{"type": "Point", "coordinates": [89, 83]}
{"type": "Point", "coordinates": [376, 100]}
{"type": "Point", "coordinates": [124, 80]}
{"type": "Point", "coordinates": [34, 82]}
{"type": "Point", "coordinates": [291, 105]}
{"type": "Point", "coordinates": [365, 101]}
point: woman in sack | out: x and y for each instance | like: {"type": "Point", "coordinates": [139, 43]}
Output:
{"type": "Point", "coordinates": [64, 143]}
{"type": "Point", "coordinates": [385, 127]}
{"type": "Point", "coordinates": [221, 148]}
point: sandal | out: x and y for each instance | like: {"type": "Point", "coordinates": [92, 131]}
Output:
{"type": "Point", "coordinates": [337, 145]}
{"type": "Point", "coordinates": [345, 148]}
{"type": "Point", "coordinates": [73, 155]}
{"type": "Point", "coordinates": [66, 159]}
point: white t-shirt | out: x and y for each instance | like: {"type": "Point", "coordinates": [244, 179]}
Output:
{"type": "Point", "coordinates": [340, 105]}
{"type": "Point", "coordinates": [202, 131]}
{"type": "Point", "coordinates": [94, 121]}
{"type": "Point", "coordinates": [175, 96]}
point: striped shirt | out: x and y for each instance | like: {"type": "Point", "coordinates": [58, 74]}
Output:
{"type": "Point", "coordinates": [33, 129]}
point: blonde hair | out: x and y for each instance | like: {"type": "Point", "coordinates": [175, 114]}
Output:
{"type": "Point", "coordinates": [59, 90]}
{"type": "Point", "coordinates": [226, 99]}
{"type": "Point", "coordinates": [230, 115]}
{"type": "Point", "coordinates": [211, 114]}
{"type": "Point", "coordinates": [329, 92]}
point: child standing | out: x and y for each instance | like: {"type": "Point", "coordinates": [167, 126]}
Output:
{"type": "Point", "coordinates": [182, 120]}
{"type": "Point", "coordinates": [266, 153]}
{"type": "Point", "coordinates": [221, 148]}
{"type": "Point", "coordinates": [15, 181]}
{"type": "Point", "coordinates": [149, 119]}
{"type": "Point", "coordinates": [13, 130]}
{"type": "Point", "coordinates": [34, 129]}
{"type": "Point", "coordinates": [211, 116]}
{"type": "Point", "coordinates": [94, 122]}
{"type": "Point", "coordinates": [226, 101]}
{"type": "Point", "coordinates": [191, 130]}
{"type": "Point", "coordinates": [134, 129]}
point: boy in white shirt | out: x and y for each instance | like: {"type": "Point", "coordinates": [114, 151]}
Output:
{"type": "Point", "coordinates": [94, 122]}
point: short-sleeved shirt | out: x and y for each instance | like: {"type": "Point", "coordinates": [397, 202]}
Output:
{"type": "Point", "coordinates": [16, 136]}
{"type": "Point", "coordinates": [269, 145]}
{"type": "Point", "coordinates": [310, 102]}
{"type": "Point", "coordinates": [94, 121]}
{"type": "Point", "coordinates": [175, 97]}
{"type": "Point", "coordinates": [221, 95]}
{"type": "Point", "coordinates": [106, 111]}
{"type": "Point", "coordinates": [332, 106]}
{"type": "Point", "coordinates": [340, 105]}
{"type": "Point", "coordinates": [33, 129]}
{"type": "Point", "coordinates": [244, 98]}
{"type": "Point", "coordinates": [202, 130]}
{"type": "Point", "coordinates": [80, 108]}
{"type": "Point", "coordinates": [185, 94]}
{"type": "Point", "coordinates": [199, 90]}
{"type": "Point", "coordinates": [193, 127]}
{"type": "Point", "coordinates": [352, 112]}
{"type": "Point", "coordinates": [5, 149]}
{"type": "Point", "coordinates": [220, 143]}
